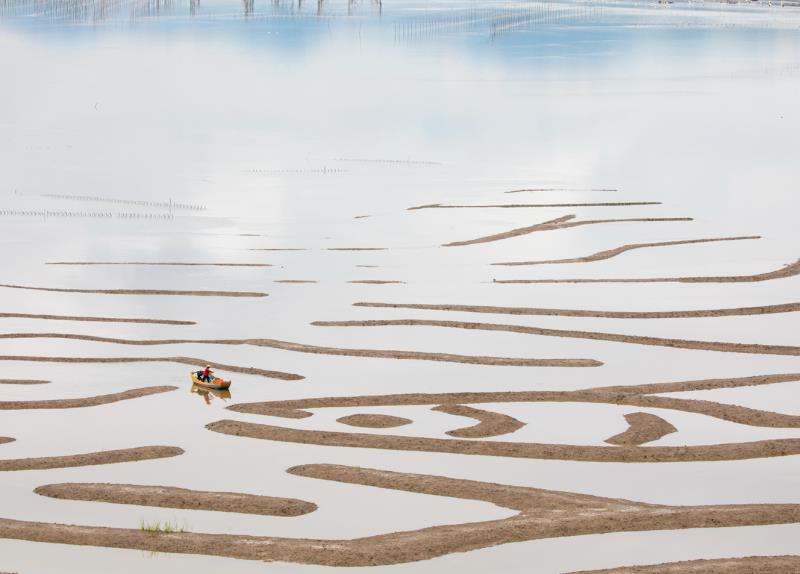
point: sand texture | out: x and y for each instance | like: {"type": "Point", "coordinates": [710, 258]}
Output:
{"type": "Point", "coordinates": [748, 565]}
{"type": "Point", "coordinates": [85, 401]}
{"type": "Point", "coordinates": [143, 292]}
{"type": "Point", "coordinates": [23, 382]}
{"type": "Point", "coordinates": [158, 264]}
{"type": "Point", "coordinates": [92, 458]}
{"type": "Point", "coordinates": [644, 428]}
{"type": "Point", "coordinates": [94, 319]}
{"type": "Point", "coordinates": [373, 421]}
{"type": "Point", "coordinates": [489, 423]}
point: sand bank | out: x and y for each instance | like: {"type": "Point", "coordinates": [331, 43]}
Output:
{"type": "Point", "coordinates": [23, 382]}
{"type": "Point", "coordinates": [534, 189]}
{"type": "Point", "coordinates": [92, 458]}
{"type": "Point", "coordinates": [534, 205]}
{"type": "Point", "coordinates": [644, 428]}
{"type": "Point", "coordinates": [356, 248]}
{"type": "Point", "coordinates": [5, 439]}
{"type": "Point", "coordinates": [143, 292]}
{"type": "Point", "coordinates": [94, 319]}
{"type": "Point", "coordinates": [609, 253]}
{"type": "Point", "coordinates": [723, 347]}
{"type": "Point", "coordinates": [749, 565]}
{"type": "Point", "coordinates": [295, 281]}
{"type": "Point", "coordinates": [377, 282]}
{"type": "Point", "coordinates": [85, 401]}
{"type": "Point", "coordinates": [564, 222]}
{"type": "Point", "coordinates": [170, 497]}
{"type": "Point", "coordinates": [690, 314]}
{"type": "Point", "coordinates": [489, 423]}
{"type": "Point", "coordinates": [373, 421]}
{"type": "Point", "coordinates": [158, 263]}
{"type": "Point", "coordinates": [540, 514]}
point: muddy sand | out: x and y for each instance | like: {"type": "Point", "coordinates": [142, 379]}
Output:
{"type": "Point", "coordinates": [23, 382]}
{"type": "Point", "coordinates": [609, 253]}
{"type": "Point", "coordinates": [644, 428]}
{"type": "Point", "coordinates": [722, 347]}
{"type": "Point", "coordinates": [295, 281]}
{"type": "Point", "coordinates": [534, 189]}
{"type": "Point", "coordinates": [749, 565]}
{"type": "Point", "coordinates": [94, 319]}
{"type": "Point", "coordinates": [158, 263]}
{"type": "Point", "coordinates": [86, 401]}
{"type": "Point", "coordinates": [489, 423]}
{"type": "Point", "coordinates": [5, 439]}
{"type": "Point", "coordinates": [534, 205]}
{"type": "Point", "coordinates": [692, 314]}
{"type": "Point", "coordinates": [373, 421]}
{"type": "Point", "coordinates": [91, 458]}
{"type": "Point", "coordinates": [287, 346]}
{"type": "Point", "coordinates": [170, 497]}
{"type": "Point", "coordinates": [789, 270]}
{"type": "Point", "coordinates": [143, 292]}
{"type": "Point", "coordinates": [540, 514]}
{"type": "Point", "coordinates": [356, 248]}
{"type": "Point", "coordinates": [564, 222]}
{"type": "Point", "coordinates": [377, 282]}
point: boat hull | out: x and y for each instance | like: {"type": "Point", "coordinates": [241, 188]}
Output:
{"type": "Point", "coordinates": [215, 383]}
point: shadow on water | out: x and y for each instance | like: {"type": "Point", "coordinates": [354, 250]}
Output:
{"type": "Point", "coordinates": [209, 395]}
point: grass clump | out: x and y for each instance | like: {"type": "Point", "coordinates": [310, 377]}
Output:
{"type": "Point", "coordinates": [159, 527]}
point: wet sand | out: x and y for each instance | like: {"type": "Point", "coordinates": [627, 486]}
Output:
{"type": "Point", "coordinates": [689, 314]}
{"type": "Point", "coordinates": [609, 253]}
{"type": "Point", "coordinates": [86, 401]}
{"type": "Point", "coordinates": [170, 497]}
{"type": "Point", "coordinates": [489, 423]}
{"type": "Point", "coordinates": [564, 222]}
{"type": "Point", "coordinates": [540, 514]}
{"type": "Point", "coordinates": [373, 421]}
{"type": "Point", "coordinates": [288, 346]}
{"type": "Point", "coordinates": [143, 292]}
{"type": "Point", "coordinates": [94, 319]}
{"type": "Point", "coordinates": [534, 205]}
{"type": "Point", "coordinates": [789, 270]}
{"type": "Point", "coordinates": [644, 428]}
{"type": "Point", "coordinates": [722, 347]}
{"type": "Point", "coordinates": [92, 458]}
{"type": "Point", "coordinates": [749, 565]}
{"type": "Point", "coordinates": [6, 439]}
{"type": "Point", "coordinates": [377, 282]}
{"type": "Point", "coordinates": [158, 264]}
{"type": "Point", "coordinates": [23, 382]}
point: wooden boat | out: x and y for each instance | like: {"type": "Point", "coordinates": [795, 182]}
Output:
{"type": "Point", "coordinates": [215, 383]}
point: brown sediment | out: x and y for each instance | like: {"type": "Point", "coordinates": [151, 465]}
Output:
{"type": "Point", "coordinates": [633, 395]}
{"type": "Point", "coordinates": [361, 216]}
{"type": "Point", "coordinates": [91, 458]}
{"type": "Point", "coordinates": [789, 270]}
{"type": "Point", "coordinates": [373, 421]}
{"type": "Point", "coordinates": [489, 423]}
{"type": "Point", "coordinates": [23, 382]}
{"type": "Point", "coordinates": [559, 189]}
{"type": "Point", "coordinates": [294, 281]}
{"type": "Point", "coordinates": [722, 347]}
{"type": "Point", "coordinates": [376, 282]}
{"type": "Point", "coordinates": [285, 346]}
{"type": "Point", "coordinates": [544, 451]}
{"type": "Point", "coordinates": [278, 249]}
{"type": "Point", "coordinates": [356, 248]}
{"type": "Point", "coordinates": [93, 319]}
{"type": "Point", "coordinates": [686, 314]}
{"type": "Point", "coordinates": [158, 263]}
{"type": "Point", "coordinates": [533, 205]}
{"type": "Point", "coordinates": [143, 292]}
{"type": "Point", "coordinates": [748, 565]}
{"type": "Point", "coordinates": [368, 266]}
{"type": "Point", "coordinates": [5, 439]}
{"type": "Point", "coordinates": [540, 514]}
{"type": "Point", "coordinates": [85, 401]}
{"type": "Point", "coordinates": [609, 253]}
{"type": "Point", "coordinates": [181, 360]}
{"type": "Point", "coordinates": [644, 428]}
{"type": "Point", "coordinates": [564, 222]}
{"type": "Point", "coordinates": [171, 497]}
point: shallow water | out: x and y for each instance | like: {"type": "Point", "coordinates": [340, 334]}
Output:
{"type": "Point", "coordinates": [208, 131]}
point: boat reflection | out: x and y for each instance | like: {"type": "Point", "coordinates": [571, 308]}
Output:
{"type": "Point", "coordinates": [210, 394]}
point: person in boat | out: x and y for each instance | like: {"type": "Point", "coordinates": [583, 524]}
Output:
{"type": "Point", "coordinates": [207, 374]}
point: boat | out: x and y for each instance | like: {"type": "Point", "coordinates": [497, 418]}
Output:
{"type": "Point", "coordinates": [215, 383]}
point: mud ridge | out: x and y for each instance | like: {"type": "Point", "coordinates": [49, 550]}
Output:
{"type": "Point", "coordinates": [722, 347]}
{"type": "Point", "coordinates": [609, 253]}
{"type": "Point", "coordinates": [644, 428]}
{"type": "Point", "coordinates": [559, 189]}
{"type": "Point", "coordinates": [142, 291]}
{"type": "Point", "coordinates": [6, 439]}
{"type": "Point", "coordinates": [377, 282]}
{"type": "Point", "coordinates": [748, 565]}
{"type": "Point", "coordinates": [489, 423]}
{"type": "Point", "coordinates": [277, 249]}
{"type": "Point", "coordinates": [686, 314]}
{"type": "Point", "coordinates": [786, 271]}
{"type": "Point", "coordinates": [295, 281]}
{"type": "Point", "coordinates": [158, 264]}
{"type": "Point", "coordinates": [564, 222]}
{"type": "Point", "coordinates": [534, 205]}
{"type": "Point", "coordinates": [85, 401]}
{"type": "Point", "coordinates": [92, 458]}
{"type": "Point", "coordinates": [539, 514]}
{"type": "Point", "coordinates": [171, 497]}
{"type": "Point", "coordinates": [356, 249]}
{"type": "Point", "coordinates": [180, 360]}
{"type": "Point", "coordinates": [374, 421]}
{"type": "Point", "coordinates": [288, 346]}
{"type": "Point", "coordinates": [23, 382]}
{"type": "Point", "coordinates": [94, 319]}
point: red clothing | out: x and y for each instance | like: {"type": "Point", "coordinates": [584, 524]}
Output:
{"type": "Point", "coordinates": [206, 373]}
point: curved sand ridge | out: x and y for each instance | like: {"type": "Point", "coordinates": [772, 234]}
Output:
{"type": "Point", "coordinates": [694, 313]}
{"type": "Point", "coordinates": [93, 319]}
{"type": "Point", "coordinates": [489, 423]}
{"type": "Point", "coordinates": [564, 222]}
{"type": "Point", "coordinates": [373, 421]}
{"type": "Point", "coordinates": [294, 347]}
{"type": "Point", "coordinates": [634, 395]}
{"type": "Point", "coordinates": [171, 497]}
{"type": "Point", "coordinates": [748, 565]}
{"type": "Point", "coordinates": [723, 347]}
{"type": "Point", "coordinates": [86, 401]}
{"type": "Point", "coordinates": [92, 458]}
{"type": "Point", "coordinates": [609, 253]}
{"type": "Point", "coordinates": [23, 382]}
{"type": "Point", "coordinates": [540, 514]}
{"type": "Point", "coordinates": [644, 428]}
{"type": "Point", "coordinates": [180, 360]}
{"type": "Point", "coordinates": [559, 189]}
{"type": "Point", "coordinates": [158, 263]}
{"type": "Point", "coordinates": [142, 291]}
{"type": "Point", "coordinates": [786, 271]}
{"type": "Point", "coordinates": [534, 205]}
